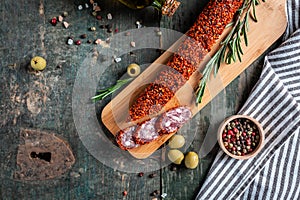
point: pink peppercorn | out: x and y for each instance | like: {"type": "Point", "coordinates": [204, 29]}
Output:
{"type": "Point", "coordinates": [78, 42]}
{"type": "Point", "coordinates": [230, 132]}
{"type": "Point", "coordinates": [99, 17]}
{"type": "Point", "coordinates": [53, 21]}
{"type": "Point", "coordinates": [141, 174]}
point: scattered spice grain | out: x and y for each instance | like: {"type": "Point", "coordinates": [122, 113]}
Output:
{"type": "Point", "coordinates": [78, 42]}
{"type": "Point", "coordinates": [152, 175]}
{"type": "Point", "coordinates": [97, 8]}
{"type": "Point", "coordinates": [155, 193]}
{"type": "Point", "coordinates": [53, 21]}
{"type": "Point", "coordinates": [132, 44]}
{"type": "Point", "coordinates": [109, 30]}
{"type": "Point", "coordinates": [99, 17]}
{"type": "Point", "coordinates": [83, 36]}
{"type": "Point", "coordinates": [66, 24]}
{"type": "Point", "coordinates": [109, 16]}
{"type": "Point", "coordinates": [173, 168]}
{"type": "Point", "coordinates": [141, 174]}
{"type": "Point", "coordinates": [98, 41]}
{"type": "Point", "coordinates": [80, 7]}
{"type": "Point", "coordinates": [117, 60]}
{"type": "Point", "coordinates": [60, 18]}
{"type": "Point", "coordinates": [70, 41]}
{"type": "Point", "coordinates": [107, 40]}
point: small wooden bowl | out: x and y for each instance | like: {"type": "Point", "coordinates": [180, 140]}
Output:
{"type": "Point", "coordinates": [260, 132]}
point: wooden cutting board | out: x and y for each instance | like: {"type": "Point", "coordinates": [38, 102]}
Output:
{"type": "Point", "coordinates": [270, 26]}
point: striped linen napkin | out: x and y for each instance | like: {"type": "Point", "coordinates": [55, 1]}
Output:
{"type": "Point", "coordinates": [275, 102]}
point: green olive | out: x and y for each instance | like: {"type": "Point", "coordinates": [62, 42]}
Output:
{"type": "Point", "coordinates": [191, 160]}
{"type": "Point", "coordinates": [176, 141]}
{"type": "Point", "coordinates": [133, 70]}
{"type": "Point", "coordinates": [175, 156]}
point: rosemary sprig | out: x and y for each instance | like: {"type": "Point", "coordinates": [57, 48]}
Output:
{"type": "Point", "coordinates": [230, 49]}
{"type": "Point", "coordinates": [108, 91]}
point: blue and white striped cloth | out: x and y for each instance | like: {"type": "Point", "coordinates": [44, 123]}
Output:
{"type": "Point", "coordinates": [275, 102]}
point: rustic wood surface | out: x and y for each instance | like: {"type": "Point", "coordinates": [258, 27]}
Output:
{"type": "Point", "coordinates": [44, 100]}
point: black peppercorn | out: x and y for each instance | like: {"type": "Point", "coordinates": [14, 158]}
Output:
{"type": "Point", "coordinates": [108, 26]}
{"type": "Point", "coordinates": [83, 36]}
{"type": "Point", "coordinates": [109, 30]}
{"type": "Point", "coordinates": [152, 175]}
{"type": "Point", "coordinates": [155, 193]}
{"type": "Point", "coordinates": [173, 168]}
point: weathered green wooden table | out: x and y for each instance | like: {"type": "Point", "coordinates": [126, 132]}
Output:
{"type": "Point", "coordinates": [44, 101]}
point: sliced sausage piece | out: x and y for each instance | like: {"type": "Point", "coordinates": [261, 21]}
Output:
{"type": "Point", "coordinates": [124, 138]}
{"type": "Point", "coordinates": [172, 120]}
{"type": "Point", "coordinates": [146, 132]}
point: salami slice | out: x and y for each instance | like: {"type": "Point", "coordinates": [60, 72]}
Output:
{"type": "Point", "coordinates": [146, 132]}
{"type": "Point", "coordinates": [125, 138]}
{"type": "Point", "coordinates": [172, 120]}
{"type": "Point", "coordinates": [150, 130]}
